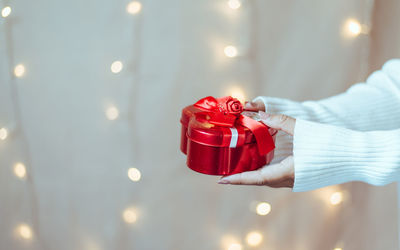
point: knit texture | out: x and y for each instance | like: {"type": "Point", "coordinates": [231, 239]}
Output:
{"type": "Point", "coordinates": [343, 151]}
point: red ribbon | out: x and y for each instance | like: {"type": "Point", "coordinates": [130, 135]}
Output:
{"type": "Point", "coordinates": [226, 111]}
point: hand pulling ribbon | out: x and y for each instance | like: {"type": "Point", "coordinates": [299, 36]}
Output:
{"type": "Point", "coordinates": [226, 111]}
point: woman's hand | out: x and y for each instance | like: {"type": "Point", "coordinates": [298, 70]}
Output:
{"type": "Point", "coordinates": [275, 175]}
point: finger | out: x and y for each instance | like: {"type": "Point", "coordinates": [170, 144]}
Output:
{"type": "Point", "coordinates": [276, 175]}
{"type": "Point", "coordinates": [245, 178]}
{"type": "Point", "coordinates": [254, 106]}
{"type": "Point", "coordinates": [280, 121]}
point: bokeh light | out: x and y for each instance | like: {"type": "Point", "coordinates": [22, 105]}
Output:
{"type": "Point", "coordinates": [254, 238]}
{"type": "Point", "coordinates": [230, 51]}
{"type": "Point", "coordinates": [3, 133]}
{"type": "Point", "coordinates": [237, 93]}
{"type": "Point", "coordinates": [6, 11]}
{"type": "Point", "coordinates": [134, 7]}
{"type": "Point", "coordinates": [116, 67]}
{"type": "Point", "coordinates": [134, 174]}
{"type": "Point", "coordinates": [234, 4]}
{"type": "Point", "coordinates": [336, 198]}
{"type": "Point", "coordinates": [19, 170]}
{"type": "Point", "coordinates": [129, 215]}
{"type": "Point", "coordinates": [235, 246]}
{"type": "Point", "coordinates": [112, 113]}
{"type": "Point", "coordinates": [263, 208]}
{"type": "Point", "coordinates": [19, 70]}
{"type": "Point", "coordinates": [24, 231]}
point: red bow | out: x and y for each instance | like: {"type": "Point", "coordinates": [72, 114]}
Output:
{"type": "Point", "coordinates": [227, 110]}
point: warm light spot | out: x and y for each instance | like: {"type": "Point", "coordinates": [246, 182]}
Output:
{"type": "Point", "coordinates": [263, 208]}
{"type": "Point", "coordinates": [237, 93]}
{"type": "Point", "coordinates": [338, 248]}
{"type": "Point", "coordinates": [6, 11]}
{"type": "Point", "coordinates": [20, 170]}
{"type": "Point", "coordinates": [19, 70]}
{"type": "Point", "coordinates": [230, 51]}
{"type": "Point", "coordinates": [134, 174]}
{"type": "Point", "coordinates": [112, 113]}
{"type": "Point", "coordinates": [234, 4]}
{"type": "Point", "coordinates": [235, 246]}
{"type": "Point", "coordinates": [134, 7]}
{"type": "Point", "coordinates": [24, 231]}
{"type": "Point", "coordinates": [254, 238]}
{"type": "Point", "coordinates": [116, 67]}
{"type": "Point", "coordinates": [353, 28]}
{"type": "Point", "coordinates": [3, 133]}
{"type": "Point", "coordinates": [129, 215]}
{"type": "Point", "coordinates": [336, 198]}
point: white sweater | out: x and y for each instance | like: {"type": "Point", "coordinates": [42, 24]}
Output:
{"type": "Point", "coordinates": [354, 136]}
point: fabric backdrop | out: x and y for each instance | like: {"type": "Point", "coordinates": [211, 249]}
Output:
{"type": "Point", "coordinates": [76, 159]}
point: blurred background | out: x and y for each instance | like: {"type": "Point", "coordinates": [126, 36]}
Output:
{"type": "Point", "coordinates": [90, 100]}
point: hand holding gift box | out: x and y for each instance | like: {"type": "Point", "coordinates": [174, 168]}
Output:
{"type": "Point", "coordinates": [220, 139]}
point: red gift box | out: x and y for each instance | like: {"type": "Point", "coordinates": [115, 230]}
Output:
{"type": "Point", "coordinates": [219, 140]}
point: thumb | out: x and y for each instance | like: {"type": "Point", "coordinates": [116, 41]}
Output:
{"type": "Point", "coordinates": [280, 122]}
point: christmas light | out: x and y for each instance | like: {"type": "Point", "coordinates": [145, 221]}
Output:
{"type": "Point", "coordinates": [20, 170]}
{"type": "Point", "coordinates": [6, 11]}
{"type": "Point", "coordinates": [237, 93]}
{"type": "Point", "coordinates": [134, 174]}
{"type": "Point", "coordinates": [234, 4]}
{"type": "Point", "coordinates": [24, 231]}
{"type": "Point", "coordinates": [3, 133]}
{"type": "Point", "coordinates": [230, 51]}
{"type": "Point", "coordinates": [19, 70]}
{"type": "Point", "coordinates": [235, 246]}
{"type": "Point", "coordinates": [263, 208]}
{"type": "Point", "coordinates": [129, 215]}
{"type": "Point", "coordinates": [354, 27]}
{"type": "Point", "coordinates": [112, 113]}
{"type": "Point", "coordinates": [336, 198]}
{"type": "Point", "coordinates": [254, 238]}
{"type": "Point", "coordinates": [134, 7]}
{"type": "Point", "coordinates": [116, 67]}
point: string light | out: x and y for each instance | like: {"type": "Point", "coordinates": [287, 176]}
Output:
{"type": "Point", "coordinates": [20, 170]}
{"type": "Point", "coordinates": [336, 198]}
{"type": "Point", "coordinates": [230, 51]}
{"type": "Point", "coordinates": [129, 215]}
{"type": "Point", "coordinates": [254, 238]}
{"type": "Point", "coordinates": [19, 70]}
{"type": "Point", "coordinates": [6, 11]}
{"type": "Point", "coordinates": [354, 28]}
{"type": "Point", "coordinates": [116, 67]}
{"type": "Point", "coordinates": [112, 113]}
{"type": "Point", "coordinates": [235, 246]}
{"type": "Point", "coordinates": [134, 7]}
{"type": "Point", "coordinates": [3, 133]}
{"type": "Point", "coordinates": [234, 4]}
{"type": "Point", "coordinates": [263, 208]}
{"type": "Point", "coordinates": [134, 174]}
{"type": "Point", "coordinates": [24, 231]}
{"type": "Point", "coordinates": [237, 93]}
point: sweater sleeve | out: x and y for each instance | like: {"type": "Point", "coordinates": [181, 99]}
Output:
{"type": "Point", "coordinates": [327, 155]}
{"type": "Point", "coordinates": [373, 105]}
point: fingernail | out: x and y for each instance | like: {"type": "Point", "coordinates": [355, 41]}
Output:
{"type": "Point", "coordinates": [223, 181]}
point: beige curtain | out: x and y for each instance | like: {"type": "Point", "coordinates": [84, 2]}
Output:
{"type": "Point", "coordinates": [76, 187]}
